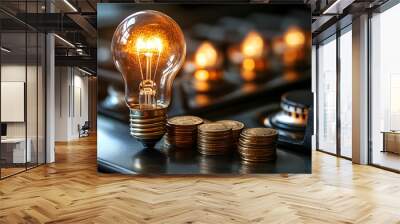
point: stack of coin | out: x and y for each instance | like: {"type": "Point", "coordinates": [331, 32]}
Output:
{"type": "Point", "coordinates": [258, 144]}
{"type": "Point", "coordinates": [236, 127]}
{"type": "Point", "coordinates": [214, 139]}
{"type": "Point", "coordinates": [182, 131]}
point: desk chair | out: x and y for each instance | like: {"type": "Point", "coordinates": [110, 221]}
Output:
{"type": "Point", "coordinates": [84, 130]}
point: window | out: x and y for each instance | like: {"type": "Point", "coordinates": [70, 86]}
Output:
{"type": "Point", "coordinates": [346, 92]}
{"type": "Point", "coordinates": [385, 89]}
{"type": "Point", "coordinates": [327, 96]}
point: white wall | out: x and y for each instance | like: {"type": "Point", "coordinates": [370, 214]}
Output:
{"type": "Point", "coordinates": [16, 73]}
{"type": "Point", "coordinates": [71, 102]}
{"type": "Point", "coordinates": [33, 127]}
{"type": "Point", "coordinates": [80, 101]}
{"type": "Point", "coordinates": [61, 103]}
{"type": "Point", "coordinates": [12, 73]}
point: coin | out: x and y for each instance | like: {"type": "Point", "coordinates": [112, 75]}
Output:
{"type": "Point", "coordinates": [255, 143]}
{"type": "Point", "coordinates": [182, 131]}
{"type": "Point", "coordinates": [212, 146]}
{"type": "Point", "coordinates": [214, 127]}
{"type": "Point", "coordinates": [215, 135]}
{"type": "Point", "coordinates": [258, 144]}
{"type": "Point", "coordinates": [214, 139]}
{"type": "Point", "coordinates": [259, 132]}
{"type": "Point", "coordinates": [234, 125]}
{"type": "Point", "coordinates": [185, 120]}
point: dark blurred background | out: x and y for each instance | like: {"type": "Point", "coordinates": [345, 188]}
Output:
{"type": "Point", "coordinates": [224, 26]}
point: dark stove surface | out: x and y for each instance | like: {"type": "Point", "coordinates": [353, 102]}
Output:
{"type": "Point", "coordinates": [119, 152]}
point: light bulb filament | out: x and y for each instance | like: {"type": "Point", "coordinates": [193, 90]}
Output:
{"type": "Point", "coordinates": [150, 49]}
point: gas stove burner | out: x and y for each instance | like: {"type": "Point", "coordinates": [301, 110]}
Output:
{"type": "Point", "coordinates": [291, 121]}
{"type": "Point", "coordinates": [287, 121]}
{"type": "Point", "coordinates": [293, 116]}
{"type": "Point", "coordinates": [297, 101]}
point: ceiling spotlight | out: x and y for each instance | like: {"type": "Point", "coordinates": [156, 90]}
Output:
{"type": "Point", "coordinates": [5, 50]}
{"type": "Point", "coordinates": [84, 71]}
{"type": "Point", "coordinates": [70, 5]}
{"type": "Point", "coordinates": [64, 40]}
{"type": "Point", "coordinates": [337, 7]}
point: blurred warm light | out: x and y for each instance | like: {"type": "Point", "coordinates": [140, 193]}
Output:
{"type": "Point", "coordinates": [208, 75]}
{"type": "Point", "coordinates": [290, 75]}
{"type": "Point", "coordinates": [251, 67]}
{"type": "Point", "coordinates": [249, 64]}
{"type": "Point", "coordinates": [248, 75]}
{"type": "Point", "coordinates": [290, 57]}
{"type": "Point", "coordinates": [294, 37]}
{"type": "Point", "coordinates": [202, 86]}
{"type": "Point", "coordinates": [278, 45]}
{"type": "Point", "coordinates": [206, 61]}
{"type": "Point", "coordinates": [234, 55]}
{"type": "Point", "coordinates": [202, 99]}
{"type": "Point", "coordinates": [249, 87]}
{"type": "Point", "coordinates": [206, 56]}
{"type": "Point", "coordinates": [202, 75]}
{"type": "Point", "coordinates": [253, 45]}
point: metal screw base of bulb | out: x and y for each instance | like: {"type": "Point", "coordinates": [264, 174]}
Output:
{"type": "Point", "coordinates": [148, 125]}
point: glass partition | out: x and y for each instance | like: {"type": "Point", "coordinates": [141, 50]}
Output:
{"type": "Point", "coordinates": [22, 88]}
{"type": "Point", "coordinates": [31, 98]}
{"type": "Point", "coordinates": [41, 97]}
{"type": "Point", "coordinates": [14, 145]}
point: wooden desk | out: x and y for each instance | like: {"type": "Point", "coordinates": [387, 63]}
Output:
{"type": "Point", "coordinates": [391, 141]}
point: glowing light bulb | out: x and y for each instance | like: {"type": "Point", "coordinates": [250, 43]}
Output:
{"type": "Point", "coordinates": [148, 48]}
{"type": "Point", "coordinates": [253, 45]}
{"type": "Point", "coordinates": [294, 37]}
{"type": "Point", "coordinates": [248, 72]}
{"type": "Point", "coordinates": [249, 64]}
{"type": "Point", "coordinates": [206, 56]}
{"type": "Point", "coordinates": [202, 75]}
{"type": "Point", "coordinates": [207, 61]}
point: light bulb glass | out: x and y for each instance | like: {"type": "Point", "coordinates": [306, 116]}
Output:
{"type": "Point", "coordinates": [148, 48]}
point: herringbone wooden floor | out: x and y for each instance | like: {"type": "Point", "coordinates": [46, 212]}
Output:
{"type": "Point", "coordinates": [71, 191]}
